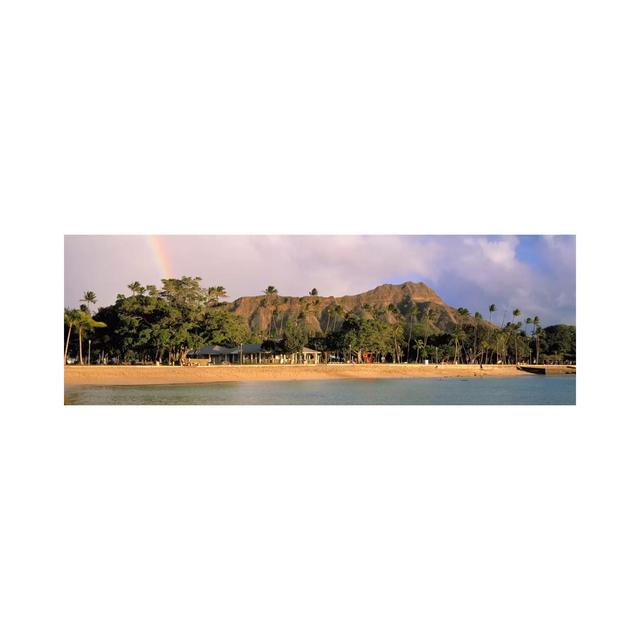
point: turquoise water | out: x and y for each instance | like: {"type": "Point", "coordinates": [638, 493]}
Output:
{"type": "Point", "coordinates": [525, 390]}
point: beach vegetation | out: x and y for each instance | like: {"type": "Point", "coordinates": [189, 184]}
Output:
{"type": "Point", "coordinates": [151, 324]}
{"type": "Point", "coordinates": [84, 325]}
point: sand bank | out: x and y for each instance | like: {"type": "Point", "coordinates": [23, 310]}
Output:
{"type": "Point", "coordinates": [118, 375]}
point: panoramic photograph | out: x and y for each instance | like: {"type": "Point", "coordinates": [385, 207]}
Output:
{"type": "Point", "coordinates": [319, 320]}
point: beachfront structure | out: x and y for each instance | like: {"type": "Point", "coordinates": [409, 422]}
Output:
{"type": "Point", "coordinates": [217, 354]}
{"type": "Point", "coordinates": [252, 353]}
{"type": "Point", "coordinates": [210, 354]}
{"type": "Point", "coordinates": [308, 356]}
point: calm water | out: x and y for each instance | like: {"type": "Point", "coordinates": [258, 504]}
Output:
{"type": "Point", "coordinates": [517, 390]}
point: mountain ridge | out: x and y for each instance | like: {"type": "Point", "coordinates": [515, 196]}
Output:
{"type": "Point", "coordinates": [392, 302]}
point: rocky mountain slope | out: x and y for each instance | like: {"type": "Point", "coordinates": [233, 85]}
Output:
{"type": "Point", "coordinates": [270, 313]}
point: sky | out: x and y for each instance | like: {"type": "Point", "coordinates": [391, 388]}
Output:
{"type": "Point", "coordinates": [536, 274]}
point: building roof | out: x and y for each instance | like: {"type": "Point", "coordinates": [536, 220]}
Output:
{"type": "Point", "coordinates": [249, 349]}
{"type": "Point", "coordinates": [210, 350]}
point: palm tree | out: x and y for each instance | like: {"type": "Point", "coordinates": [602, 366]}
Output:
{"type": "Point", "coordinates": [283, 316]}
{"type": "Point", "coordinates": [70, 319]}
{"type": "Point", "coordinates": [413, 312]}
{"type": "Point", "coordinates": [394, 329]}
{"type": "Point", "coordinates": [305, 312]}
{"type": "Point", "coordinates": [215, 293]}
{"type": "Point", "coordinates": [84, 321]}
{"type": "Point", "coordinates": [502, 341]}
{"type": "Point", "coordinates": [484, 350]}
{"type": "Point", "coordinates": [492, 309]}
{"type": "Point", "coordinates": [396, 333]}
{"type": "Point", "coordinates": [427, 316]}
{"type": "Point", "coordinates": [89, 297]}
{"type": "Point", "coordinates": [477, 317]}
{"type": "Point", "coordinates": [136, 288]}
{"type": "Point", "coordinates": [329, 318]}
{"type": "Point", "coordinates": [527, 322]}
{"type": "Point", "coordinates": [338, 313]}
{"type": "Point", "coordinates": [537, 330]}
{"type": "Point", "coordinates": [419, 348]}
{"type": "Point", "coordinates": [79, 322]}
{"type": "Point", "coordinates": [458, 336]}
{"type": "Point", "coordinates": [463, 314]}
{"type": "Point", "coordinates": [516, 313]}
{"type": "Point", "coordinates": [271, 292]}
{"type": "Point", "coordinates": [275, 315]}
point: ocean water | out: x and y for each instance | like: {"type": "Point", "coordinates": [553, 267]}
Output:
{"type": "Point", "coordinates": [521, 390]}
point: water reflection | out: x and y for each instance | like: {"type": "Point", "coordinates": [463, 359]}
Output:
{"type": "Point", "coordinates": [531, 390]}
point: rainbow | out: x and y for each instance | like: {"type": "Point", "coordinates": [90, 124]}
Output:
{"type": "Point", "coordinates": [156, 244]}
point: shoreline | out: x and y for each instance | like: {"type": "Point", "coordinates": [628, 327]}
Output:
{"type": "Point", "coordinates": [118, 375]}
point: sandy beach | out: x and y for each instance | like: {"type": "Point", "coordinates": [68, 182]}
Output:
{"type": "Point", "coordinates": [142, 375]}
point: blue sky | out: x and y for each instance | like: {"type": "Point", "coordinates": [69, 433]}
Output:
{"type": "Point", "coordinates": [534, 273]}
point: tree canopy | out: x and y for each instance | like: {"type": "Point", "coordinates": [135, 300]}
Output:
{"type": "Point", "coordinates": [161, 324]}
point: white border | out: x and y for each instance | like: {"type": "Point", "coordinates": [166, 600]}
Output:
{"type": "Point", "coordinates": [318, 522]}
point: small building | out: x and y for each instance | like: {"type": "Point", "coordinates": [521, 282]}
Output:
{"type": "Point", "coordinates": [210, 354]}
{"type": "Point", "coordinates": [311, 356]}
{"type": "Point", "coordinates": [306, 356]}
{"type": "Point", "coordinates": [251, 353]}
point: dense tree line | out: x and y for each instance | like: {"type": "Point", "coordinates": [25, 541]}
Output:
{"type": "Point", "coordinates": [153, 324]}
{"type": "Point", "coordinates": [469, 341]}
{"type": "Point", "coordinates": [161, 325]}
